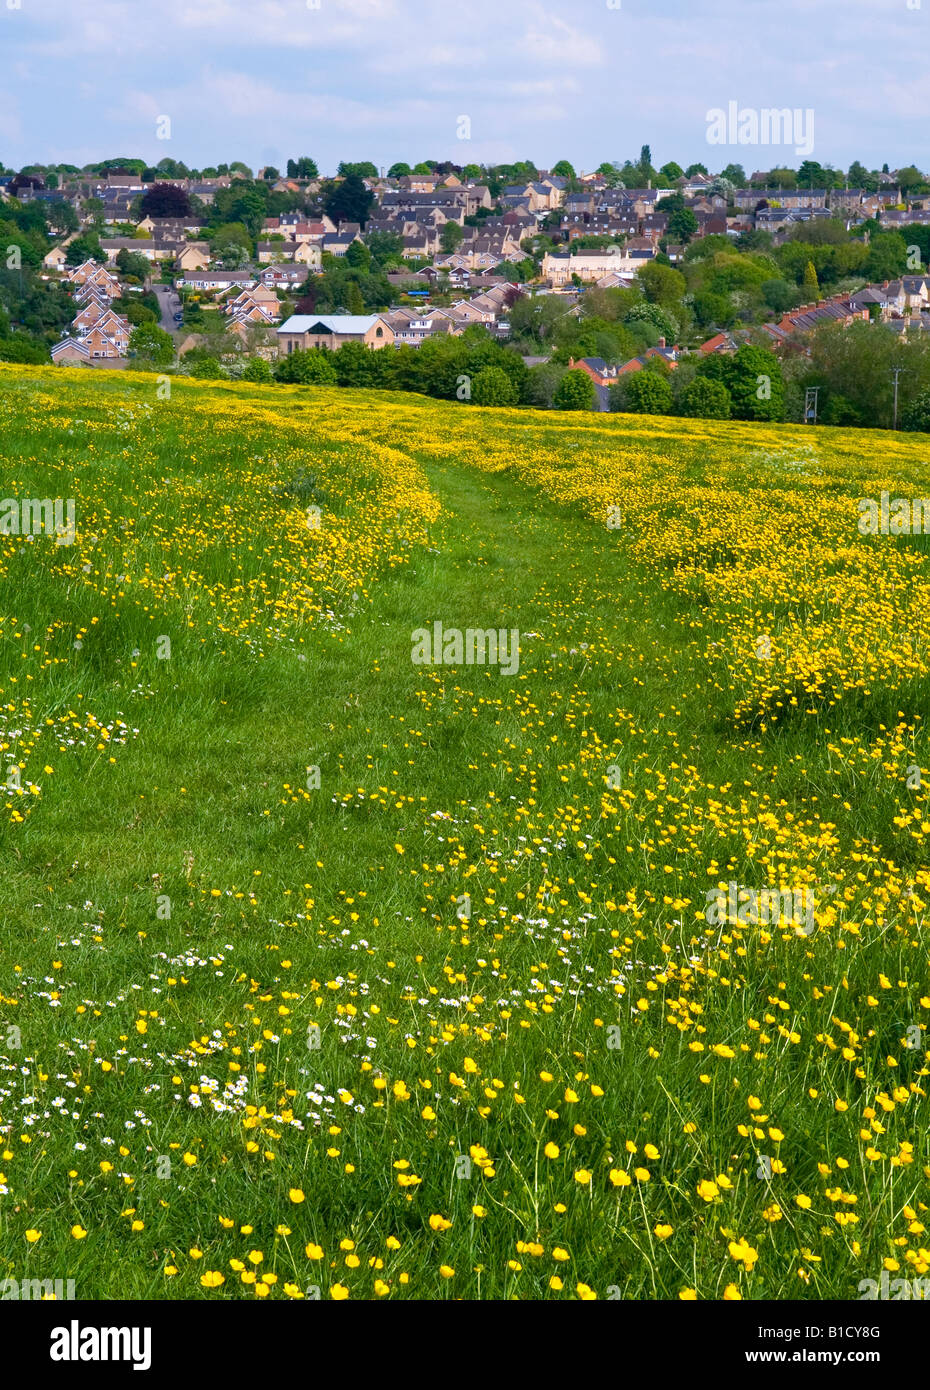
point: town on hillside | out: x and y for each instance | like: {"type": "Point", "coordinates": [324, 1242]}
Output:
{"type": "Point", "coordinates": [662, 290]}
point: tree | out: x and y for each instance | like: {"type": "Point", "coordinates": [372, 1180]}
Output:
{"type": "Point", "coordinates": [451, 236]}
{"type": "Point", "coordinates": [357, 365]}
{"type": "Point", "coordinates": [713, 309]}
{"type": "Point", "coordinates": [811, 175]}
{"type": "Point", "coordinates": [779, 295]}
{"type": "Point", "coordinates": [385, 248]}
{"type": "Point", "coordinates": [810, 286]}
{"type": "Point", "coordinates": [204, 365]}
{"type": "Point", "coordinates": [563, 170]}
{"type": "Point", "coordinates": [271, 174]}
{"type": "Point", "coordinates": [257, 370]}
{"type": "Point", "coordinates": [131, 264]}
{"type": "Point", "coordinates": [362, 169]}
{"type": "Point", "coordinates": [83, 248]}
{"type": "Point", "coordinates": [649, 393]}
{"type": "Point", "coordinates": [917, 415]}
{"type": "Point", "coordinates": [355, 304]}
{"type": "Point", "coordinates": [152, 344]}
{"type": "Point", "coordinates": [860, 177]}
{"type": "Point", "coordinates": [542, 384]}
{"type": "Point", "coordinates": [492, 386]}
{"type": "Point", "coordinates": [610, 173]}
{"type": "Point", "coordinates": [693, 169]}
{"type": "Point", "coordinates": [304, 368]}
{"type": "Point", "coordinates": [706, 399]}
{"type": "Point", "coordinates": [575, 391]}
{"type": "Point", "coordinates": [672, 172]}
{"type": "Point", "coordinates": [661, 284]}
{"type": "Point", "coordinates": [165, 200]}
{"type": "Point", "coordinates": [736, 175]}
{"type": "Point", "coordinates": [400, 170]}
{"type": "Point", "coordinates": [663, 320]}
{"type": "Point", "coordinates": [230, 235]}
{"type": "Point", "coordinates": [349, 201]}
{"type": "Point", "coordinates": [23, 349]}
{"type": "Point", "coordinates": [887, 256]}
{"type": "Point", "coordinates": [754, 380]}
{"type": "Point", "coordinates": [303, 168]}
{"type": "Point", "coordinates": [682, 225]}
{"type": "Point", "coordinates": [358, 255]}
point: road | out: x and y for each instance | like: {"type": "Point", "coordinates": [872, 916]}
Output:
{"type": "Point", "coordinates": [169, 304]}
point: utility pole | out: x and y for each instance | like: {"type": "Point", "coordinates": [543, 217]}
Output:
{"type": "Point", "coordinates": [810, 405]}
{"type": "Point", "coordinates": [896, 372]}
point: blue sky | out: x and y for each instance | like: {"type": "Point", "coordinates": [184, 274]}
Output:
{"type": "Point", "coordinates": [262, 80]}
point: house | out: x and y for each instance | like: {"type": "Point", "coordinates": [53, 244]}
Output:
{"type": "Point", "coordinates": [56, 259]}
{"type": "Point", "coordinates": [284, 276]}
{"type": "Point", "coordinates": [669, 355]}
{"type": "Point", "coordinates": [90, 271]}
{"type": "Point", "coordinates": [194, 256]}
{"type": "Point", "coordinates": [332, 330]}
{"type": "Point", "coordinates": [101, 345]}
{"type": "Point", "coordinates": [720, 342]}
{"type": "Point", "coordinates": [92, 313]}
{"type": "Point", "coordinates": [138, 246]}
{"type": "Point", "coordinates": [412, 332]}
{"type": "Point", "coordinates": [558, 268]}
{"type": "Point", "coordinates": [304, 253]}
{"type": "Point", "coordinates": [338, 243]}
{"type": "Point", "coordinates": [216, 279]}
{"type": "Point", "coordinates": [170, 228]}
{"type": "Point", "coordinates": [258, 305]}
{"type": "Point", "coordinates": [597, 369]}
{"type": "Point", "coordinates": [841, 309]}
{"type": "Point", "coordinates": [70, 352]}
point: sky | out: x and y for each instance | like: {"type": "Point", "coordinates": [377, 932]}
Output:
{"type": "Point", "coordinates": [479, 81]}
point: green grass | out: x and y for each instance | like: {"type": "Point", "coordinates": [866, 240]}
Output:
{"type": "Point", "coordinates": [301, 901]}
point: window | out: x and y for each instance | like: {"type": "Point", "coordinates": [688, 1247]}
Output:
{"type": "Point", "coordinates": [379, 332]}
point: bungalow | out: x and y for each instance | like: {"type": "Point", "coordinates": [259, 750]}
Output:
{"type": "Point", "coordinates": [139, 246]}
{"type": "Point", "coordinates": [216, 279]}
{"type": "Point", "coordinates": [330, 331]}
{"type": "Point", "coordinates": [56, 259]}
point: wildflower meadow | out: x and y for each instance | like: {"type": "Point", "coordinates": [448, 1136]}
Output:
{"type": "Point", "coordinates": [349, 954]}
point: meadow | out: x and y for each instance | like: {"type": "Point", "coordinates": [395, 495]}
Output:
{"type": "Point", "coordinates": [326, 974]}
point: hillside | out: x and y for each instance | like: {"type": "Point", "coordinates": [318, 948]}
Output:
{"type": "Point", "coordinates": [326, 972]}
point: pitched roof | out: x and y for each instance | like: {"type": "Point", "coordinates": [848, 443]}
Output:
{"type": "Point", "coordinates": [332, 323]}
